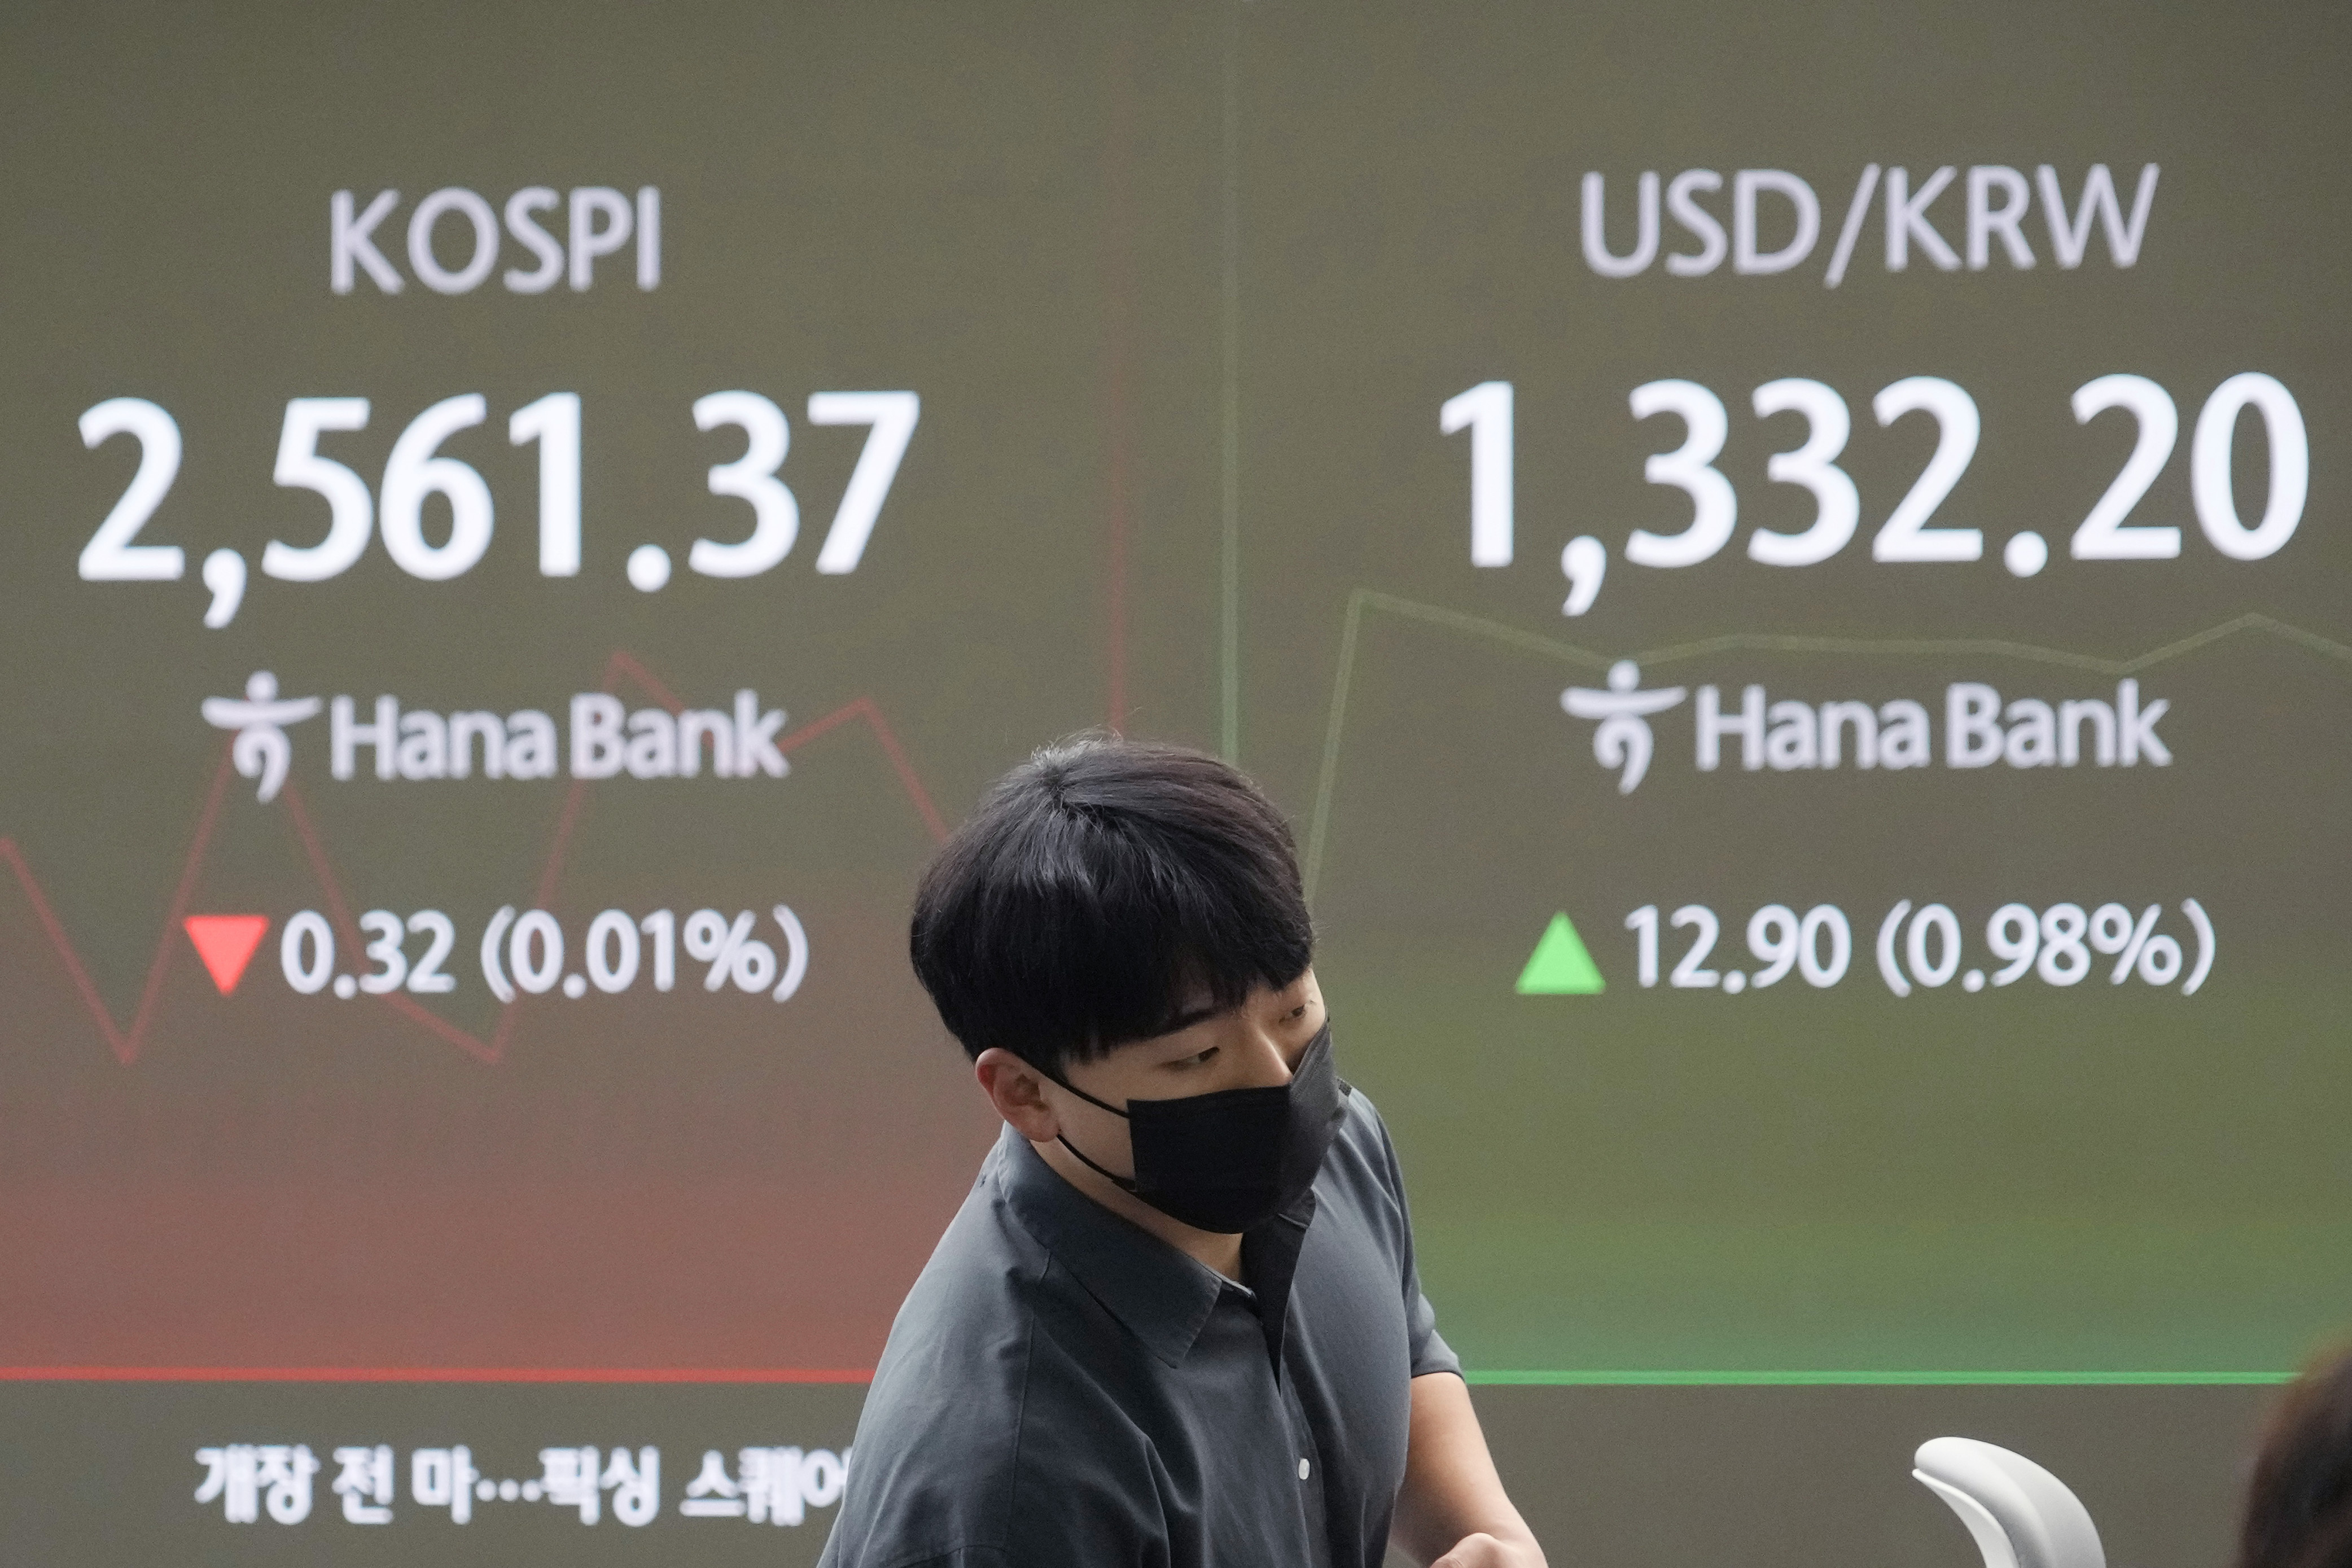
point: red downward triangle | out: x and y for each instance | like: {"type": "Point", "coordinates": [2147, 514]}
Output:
{"type": "Point", "coordinates": [226, 944]}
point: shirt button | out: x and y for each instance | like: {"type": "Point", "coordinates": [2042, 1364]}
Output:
{"type": "Point", "coordinates": [1303, 1469]}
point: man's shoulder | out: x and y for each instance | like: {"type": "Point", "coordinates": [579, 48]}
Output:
{"type": "Point", "coordinates": [936, 1452]}
{"type": "Point", "coordinates": [952, 1437]}
{"type": "Point", "coordinates": [995, 1324]}
{"type": "Point", "coordinates": [1362, 1125]}
{"type": "Point", "coordinates": [963, 1332]}
{"type": "Point", "coordinates": [1362, 1163]}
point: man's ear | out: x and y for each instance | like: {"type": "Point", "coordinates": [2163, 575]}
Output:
{"type": "Point", "coordinates": [1017, 1091]}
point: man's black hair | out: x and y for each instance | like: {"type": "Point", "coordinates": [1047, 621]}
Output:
{"type": "Point", "coordinates": [1104, 888]}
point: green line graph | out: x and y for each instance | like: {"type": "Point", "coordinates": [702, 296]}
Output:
{"type": "Point", "coordinates": [1838, 1379]}
{"type": "Point", "coordinates": [1363, 599]}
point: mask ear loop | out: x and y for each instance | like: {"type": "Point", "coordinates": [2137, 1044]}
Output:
{"type": "Point", "coordinates": [1125, 1183]}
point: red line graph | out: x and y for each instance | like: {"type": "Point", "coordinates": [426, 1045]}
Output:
{"type": "Point", "coordinates": [434, 1375]}
{"type": "Point", "coordinates": [126, 1042]}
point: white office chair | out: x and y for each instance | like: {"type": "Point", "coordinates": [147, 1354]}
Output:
{"type": "Point", "coordinates": [2021, 1515]}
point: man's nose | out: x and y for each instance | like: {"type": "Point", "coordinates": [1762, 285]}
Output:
{"type": "Point", "coordinates": [1268, 1065]}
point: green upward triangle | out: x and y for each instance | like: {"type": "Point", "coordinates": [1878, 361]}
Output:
{"type": "Point", "coordinates": [1560, 966]}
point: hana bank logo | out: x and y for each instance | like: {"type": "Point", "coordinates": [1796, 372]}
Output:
{"type": "Point", "coordinates": [261, 749]}
{"type": "Point", "coordinates": [607, 739]}
{"type": "Point", "coordinates": [1622, 740]}
{"type": "Point", "coordinates": [1981, 728]}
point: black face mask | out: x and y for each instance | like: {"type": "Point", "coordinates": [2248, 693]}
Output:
{"type": "Point", "coordinates": [1228, 1161]}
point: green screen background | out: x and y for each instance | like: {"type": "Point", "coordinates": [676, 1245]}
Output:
{"type": "Point", "coordinates": [1181, 291]}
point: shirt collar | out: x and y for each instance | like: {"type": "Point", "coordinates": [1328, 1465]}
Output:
{"type": "Point", "coordinates": [1160, 1295]}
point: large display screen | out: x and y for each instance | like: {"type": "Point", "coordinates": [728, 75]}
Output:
{"type": "Point", "coordinates": [1789, 570]}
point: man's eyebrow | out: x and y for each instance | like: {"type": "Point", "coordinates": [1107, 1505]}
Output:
{"type": "Point", "coordinates": [1185, 1020]}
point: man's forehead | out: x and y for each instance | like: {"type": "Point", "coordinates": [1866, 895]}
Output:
{"type": "Point", "coordinates": [1196, 1006]}
{"type": "Point", "coordinates": [1194, 1011]}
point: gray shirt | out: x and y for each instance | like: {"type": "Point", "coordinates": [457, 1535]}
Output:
{"type": "Point", "coordinates": [1063, 1388]}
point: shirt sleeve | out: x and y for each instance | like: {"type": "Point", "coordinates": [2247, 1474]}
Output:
{"type": "Point", "coordinates": [1430, 1351]}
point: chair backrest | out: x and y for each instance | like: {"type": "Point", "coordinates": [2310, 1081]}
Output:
{"type": "Point", "coordinates": [2021, 1515]}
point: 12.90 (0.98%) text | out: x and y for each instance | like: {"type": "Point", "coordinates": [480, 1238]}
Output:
{"type": "Point", "coordinates": [1924, 948]}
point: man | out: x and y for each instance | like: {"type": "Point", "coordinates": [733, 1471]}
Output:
{"type": "Point", "coordinates": [1177, 1321]}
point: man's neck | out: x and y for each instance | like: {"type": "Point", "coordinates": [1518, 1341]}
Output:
{"type": "Point", "coordinates": [1212, 1249]}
